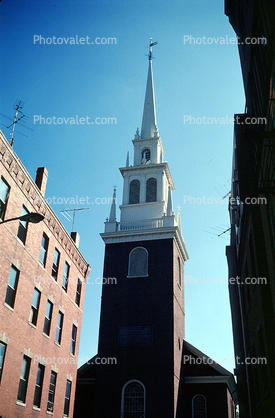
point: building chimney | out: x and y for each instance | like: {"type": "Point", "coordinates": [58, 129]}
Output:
{"type": "Point", "coordinates": [75, 236]}
{"type": "Point", "coordinates": [41, 179]}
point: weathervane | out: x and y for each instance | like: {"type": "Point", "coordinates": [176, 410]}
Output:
{"type": "Point", "coordinates": [150, 48]}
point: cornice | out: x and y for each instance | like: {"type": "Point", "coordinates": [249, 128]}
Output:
{"type": "Point", "coordinates": [147, 235]}
{"type": "Point", "coordinates": [229, 380]}
{"type": "Point", "coordinates": [164, 166]}
{"type": "Point", "coordinates": [23, 180]}
{"type": "Point", "coordinates": [143, 141]}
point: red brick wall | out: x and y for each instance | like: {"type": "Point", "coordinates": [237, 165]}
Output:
{"type": "Point", "coordinates": [15, 323]}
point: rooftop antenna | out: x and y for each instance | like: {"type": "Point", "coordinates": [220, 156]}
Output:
{"type": "Point", "coordinates": [17, 117]}
{"type": "Point", "coordinates": [150, 48]}
{"type": "Point", "coordinates": [219, 229]}
{"type": "Point", "coordinates": [72, 210]}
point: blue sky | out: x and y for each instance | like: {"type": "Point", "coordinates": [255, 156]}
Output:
{"type": "Point", "coordinates": [198, 80]}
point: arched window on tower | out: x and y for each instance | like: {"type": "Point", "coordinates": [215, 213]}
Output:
{"type": "Point", "coordinates": [146, 156]}
{"type": "Point", "coordinates": [199, 407]}
{"type": "Point", "coordinates": [138, 262]}
{"type": "Point", "coordinates": [151, 190]}
{"type": "Point", "coordinates": [133, 400]}
{"type": "Point", "coordinates": [134, 192]}
{"type": "Point", "coordinates": [179, 272]}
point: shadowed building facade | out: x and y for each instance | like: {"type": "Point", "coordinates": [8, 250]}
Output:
{"type": "Point", "coordinates": [251, 254]}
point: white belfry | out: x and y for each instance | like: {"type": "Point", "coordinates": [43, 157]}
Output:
{"type": "Point", "coordinates": [147, 206]}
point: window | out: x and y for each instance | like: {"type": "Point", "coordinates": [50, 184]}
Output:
{"type": "Point", "coordinates": [138, 262]}
{"type": "Point", "coordinates": [146, 156]}
{"type": "Point", "coordinates": [56, 258]}
{"type": "Point", "coordinates": [12, 287]}
{"type": "Point", "coordinates": [179, 272]}
{"type": "Point", "coordinates": [44, 249]}
{"type": "Point", "coordinates": [78, 292]}
{"type": "Point", "coordinates": [134, 192]}
{"type": "Point", "coordinates": [38, 385]}
{"type": "Point", "coordinates": [67, 398]}
{"type": "Point", "coordinates": [48, 318]}
{"type": "Point", "coordinates": [66, 276]}
{"type": "Point", "coordinates": [151, 190]}
{"type": "Point", "coordinates": [35, 306]}
{"type": "Point", "coordinates": [2, 358]}
{"type": "Point", "coordinates": [23, 225]}
{"type": "Point", "coordinates": [4, 194]}
{"type": "Point", "coordinates": [133, 400]}
{"type": "Point", "coordinates": [59, 327]}
{"type": "Point", "coordinates": [199, 407]}
{"type": "Point", "coordinates": [51, 391]}
{"type": "Point", "coordinates": [73, 340]}
{"type": "Point", "coordinates": [24, 377]}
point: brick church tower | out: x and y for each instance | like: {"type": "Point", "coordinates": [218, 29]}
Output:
{"type": "Point", "coordinates": [142, 315]}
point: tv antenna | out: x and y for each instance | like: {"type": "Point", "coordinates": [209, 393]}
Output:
{"type": "Point", "coordinates": [19, 115]}
{"type": "Point", "coordinates": [73, 217]}
{"type": "Point", "coordinates": [150, 48]}
{"type": "Point", "coordinates": [224, 189]}
{"type": "Point", "coordinates": [219, 229]}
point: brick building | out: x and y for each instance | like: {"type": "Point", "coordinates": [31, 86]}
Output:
{"type": "Point", "coordinates": [142, 323]}
{"type": "Point", "coordinates": [42, 286]}
{"type": "Point", "coordinates": [251, 254]}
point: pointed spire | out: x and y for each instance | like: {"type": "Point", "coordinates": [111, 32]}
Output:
{"type": "Point", "coordinates": [137, 134]}
{"type": "Point", "coordinates": [149, 127]}
{"type": "Point", "coordinates": [178, 219]}
{"type": "Point", "coordinates": [127, 159]}
{"type": "Point", "coordinates": [170, 203]}
{"type": "Point", "coordinates": [113, 208]}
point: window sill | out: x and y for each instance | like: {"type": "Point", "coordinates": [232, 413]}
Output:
{"type": "Point", "coordinates": [36, 408]}
{"type": "Point", "coordinates": [45, 335]}
{"type": "Point", "coordinates": [42, 264]}
{"type": "Point", "coordinates": [137, 277]}
{"type": "Point", "coordinates": [56, 343]}
{"type": "Point", "coordinates": [20, 403]}
{"type": "Point", "coordinates": [49, 412]}
{"type": "Point", "coordinates": [8, 306]}
{"type": "Point", "coordinates": [32, 325]}
{"type": "Point", "coordinates": [71, 354]}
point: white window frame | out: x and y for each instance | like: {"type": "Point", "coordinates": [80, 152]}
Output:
{"type": "Point", "coordinates": [156, 190]}
{"type": "Point", "coordinates": [193, 411]}
{"type": "Point", "coordinates": [144, 159]}
{"type": "Point", "coordinates": [129, 263]}
{"type": "Point", "coordinates": [122, 397]}
{"type": "Point", "coordinates": [130, 194]}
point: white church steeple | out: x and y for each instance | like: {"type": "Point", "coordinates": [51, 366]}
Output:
{"type": "Point", "coordinates": [148, 184]}
{"type": "Point", "coordinates": [149, 127]}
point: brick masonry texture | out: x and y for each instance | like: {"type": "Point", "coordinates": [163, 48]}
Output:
{"type": "Point", "coordinates": [20, 336]}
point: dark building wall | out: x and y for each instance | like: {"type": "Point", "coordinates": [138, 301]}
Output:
{"type": "Point", "coordinates": [140, 301]}
{"type": "Point", "coordinates": [179, 318]}
{"type": "Point", "coordinates": [217, 405]}
{"type": "Point", "coordinates": [252, 247]}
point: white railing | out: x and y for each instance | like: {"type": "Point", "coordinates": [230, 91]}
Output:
{"type": "Point", "coordinates": [143, 224]}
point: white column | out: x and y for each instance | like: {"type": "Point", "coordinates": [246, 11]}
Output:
{"type": "Point", "coordinates": [142, 188]}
